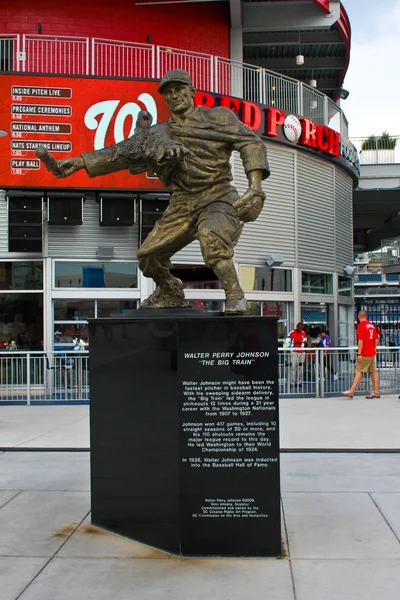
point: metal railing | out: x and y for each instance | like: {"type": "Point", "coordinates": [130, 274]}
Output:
{"type": "Point", "coordinates": [200, 66]}
{"type": "Point", "coordinates": [69, 55]}
{"type": "Point", "coordinates": [63, 377]}
{"type": "Point", "coordinates": [44, 377]}
{"type": "Point", "coordinates": [9, 52]}
{"type": "Point", "coordinates": [315, 373]}
{"type": "Point", "coordinates": [390, 252]}
{"type": "Point", "coordinates": [314, 105]}
{"type": "Point", "coordinates": [55, 54]}
{"type": "Point", "coordinates": [113, 58]}
{"type": "Point", "coordinates": [378, 150]}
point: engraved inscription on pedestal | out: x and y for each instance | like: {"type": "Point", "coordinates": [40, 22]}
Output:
{"type": "Point", "coordinates": [230, 445]}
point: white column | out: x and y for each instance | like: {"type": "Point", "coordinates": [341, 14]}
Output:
{"type": "Point", "coordinates": [48, 320]}
{"type": "Point", "coordinates": [236, 39]}
{"type": "Point", "coordinates": [297, 295]}
{"type": "Point", "coordinates": [334, 326]}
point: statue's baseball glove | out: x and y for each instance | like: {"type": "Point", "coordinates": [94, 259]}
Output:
{"type": "Point", "coordinates": [249, 205]}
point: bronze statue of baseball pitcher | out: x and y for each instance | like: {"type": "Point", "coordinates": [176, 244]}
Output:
{"type": "Point", "coordinates": [190, 154]}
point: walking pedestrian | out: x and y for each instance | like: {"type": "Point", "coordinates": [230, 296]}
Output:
{"type": "Point", "coordinates": [367, 341]}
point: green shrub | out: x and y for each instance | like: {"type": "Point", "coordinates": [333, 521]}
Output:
{"type": "Point", "coordinates": [382, 142]}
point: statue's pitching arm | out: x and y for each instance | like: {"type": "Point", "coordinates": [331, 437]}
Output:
{"type": "Point", "coordinates": [101, 160]}
{"type": "Point", "coordinates": [59, 168]}
{"type": "Point", "coordinates": [146, 149]}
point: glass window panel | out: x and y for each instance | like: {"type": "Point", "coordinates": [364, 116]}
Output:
{"type": "Point", "coordinates": [78, 310]}
{"type": "Point", "coordinates": [116, 308]}
{"type": "Point", "coordinates": [196, 277]}
{"type": "Point", "coordinates": [317, 283]}
{"type": "Point", "coordinates": [265, 279]}
{"type": "Point", "coordinates": [314, 316]}
{"type": "Point", "coordinates": [207, 305]}
{"type": "Point", "coordinates": [101, 274]}
{"type": "Point", "coordinates": [345, 325]}
{"type": "Point", "coordinates": [282, 310]}
{"type": "Point", "coordinates": [21, 275]}
{"type": "Point", "coordinates": [21, 320]}
{"type": "Point", "coordinates": [254, 309]}
{"type": "Point", "coordinates": [70, 331]}
{"type": "Point", "coordinates": [345, 286]}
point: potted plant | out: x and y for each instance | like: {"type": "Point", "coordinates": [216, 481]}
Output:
{"type": "Point", "coordinates": [378, 148]}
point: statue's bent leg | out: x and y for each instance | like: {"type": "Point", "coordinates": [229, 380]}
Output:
{"type": "Point", "coordinates": [170, 234]}
{"type": "Point", "coordinates": [218, 232]}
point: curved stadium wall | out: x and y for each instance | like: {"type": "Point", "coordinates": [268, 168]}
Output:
{"type": "Point", "coordinates": [307, 217]}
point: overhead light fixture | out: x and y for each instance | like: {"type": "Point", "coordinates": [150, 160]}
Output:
{"type": "Point", "coordinates": [343, 94]}
{"type": "Point", "coordinates": [274, 260]}
{"type": "Point", "coordinates": [300, 56]}
{"type": "Point", "coordinates": [312, 82]}
{"type": "Point", "coordinates": [349, 270]}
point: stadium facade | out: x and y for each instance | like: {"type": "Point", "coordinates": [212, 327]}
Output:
{"type": "Point", "coordinates": [74, 79]}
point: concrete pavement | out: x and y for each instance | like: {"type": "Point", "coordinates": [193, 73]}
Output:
{"type": "Point", "coordinates": [341, 528]}
{"type": "Point", "coordinates": [341, 514]}
{"type": "Point", "coordinates": [305, 423]}
{"type": "Point", "coordinates": [44, 426]}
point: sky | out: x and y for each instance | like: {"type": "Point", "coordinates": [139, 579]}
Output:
{"type": "Point", "coordinates": [373, 77]}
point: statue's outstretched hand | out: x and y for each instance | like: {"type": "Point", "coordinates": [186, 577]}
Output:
{"type": "Point", "coordinates": [249, 205]}
{"type": "Point", "coordinates": [59, 168]}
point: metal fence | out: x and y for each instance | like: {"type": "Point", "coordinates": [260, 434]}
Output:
{"type": "Point", "coordinates": [55, 54]}
{"type": "Point", "coordinates": [113, 58]}
{"type": "Point", "coordinates": [378, 150]}
{"type": "Point", "coordinates": [63, 377]}
{"type": "Point", "coordinates": [200, 66]}
{"type": "Point", "coordinates": [9, 52]}
{"type": "Point", "coordinates": [70, 55]}
{"type": "Point", "coordinates": [44, 377]}
{"type": "Point", "coordinates": [316, 373]}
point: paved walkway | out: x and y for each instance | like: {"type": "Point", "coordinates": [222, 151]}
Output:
{"type": "Point", "coordinates": [341, 515]}
{"type": "Point", "coordinates": [305, 423]}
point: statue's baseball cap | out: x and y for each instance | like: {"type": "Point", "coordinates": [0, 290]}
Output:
{"type": "Point", "coordinates": [174, 76]}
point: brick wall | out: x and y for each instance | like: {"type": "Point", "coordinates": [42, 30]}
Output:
{"type": "Point", "coordinates": [201, 27]}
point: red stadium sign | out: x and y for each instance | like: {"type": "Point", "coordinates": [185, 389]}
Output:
{"type": "Point", "coordinates": [273, 122]}
{"type": "Point", "coordinates": [71, 115]}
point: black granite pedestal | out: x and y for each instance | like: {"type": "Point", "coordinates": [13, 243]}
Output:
{"type": "Point", "coordinates": [185, 433]}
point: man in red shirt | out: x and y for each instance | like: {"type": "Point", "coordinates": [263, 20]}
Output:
{"type": "Point", "coordinates": [367, 341]}
{"type": "Point", "coordinates": [298, 340]}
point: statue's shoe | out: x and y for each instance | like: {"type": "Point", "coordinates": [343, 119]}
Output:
{"type": "Point", "coordinates": [235, 306]}
{"type": "Point", "coordinates": [161, 298]}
